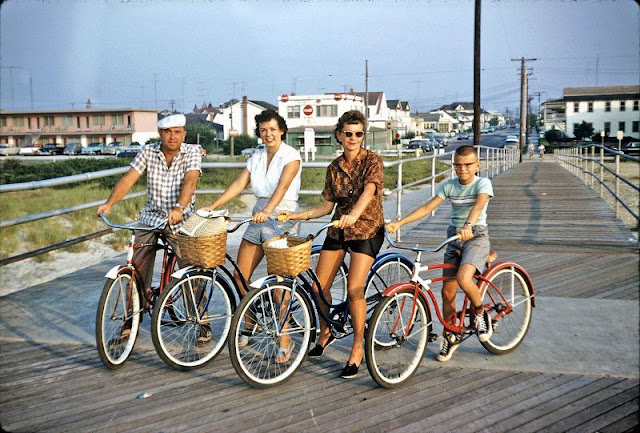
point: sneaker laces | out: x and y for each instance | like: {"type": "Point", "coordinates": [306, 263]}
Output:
{"type": "Point", "coordinates": [445, 346]}
{"type": "Point", "coordinates": [481, 324]}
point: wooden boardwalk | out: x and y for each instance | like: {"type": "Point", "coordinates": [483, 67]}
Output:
{"type": "Point", "coordinates": [542, 217]}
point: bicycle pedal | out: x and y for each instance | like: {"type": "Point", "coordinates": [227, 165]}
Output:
{"type": "Point", "coordinates": [432, 337]}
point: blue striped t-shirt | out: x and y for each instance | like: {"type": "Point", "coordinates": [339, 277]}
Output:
{"type": "Point", "coordinates": [463, 197]}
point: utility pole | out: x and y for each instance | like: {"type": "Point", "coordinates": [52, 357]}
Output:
{"type": "Point", "coordinates": [476, 74]}
{"type": "Point", "coordinates": [523, 103]}
{"type": "Point", "coordinates": [232, 137]}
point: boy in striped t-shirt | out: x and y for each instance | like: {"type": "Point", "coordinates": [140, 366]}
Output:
{"type": "Point", "coordinates": [469, 196]}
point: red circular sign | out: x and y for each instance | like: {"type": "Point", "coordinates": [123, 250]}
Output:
{"type": "Point", "coordinates": [284, 98]}
{"type": "Point", "coordinates": [308, 110]}
{"type": "Point", "coordinates": [337, 96]}
{"type": "Point", "coordinates": [397, 135]}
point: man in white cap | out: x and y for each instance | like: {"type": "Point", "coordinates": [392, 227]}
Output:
{"type": "Point", "coordinates": [173, 169]}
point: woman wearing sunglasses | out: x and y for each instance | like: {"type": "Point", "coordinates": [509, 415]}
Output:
{"type": "Point", "coordinates": [353, 182]}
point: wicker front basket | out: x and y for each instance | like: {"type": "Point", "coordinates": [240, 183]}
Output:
{"type": "Point", "coordinates": [291, 261]}
{"type": "Point", "coordinates": [204, 252]}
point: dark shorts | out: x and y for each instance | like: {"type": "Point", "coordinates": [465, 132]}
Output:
{"type": "Point", "coordinates": [370, 247]}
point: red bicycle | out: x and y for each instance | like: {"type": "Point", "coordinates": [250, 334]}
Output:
{"type": "Point", "coordinates": [401, 324]}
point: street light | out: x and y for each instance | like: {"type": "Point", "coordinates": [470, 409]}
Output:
{"type": "Point", "coordinates": [619, 135]}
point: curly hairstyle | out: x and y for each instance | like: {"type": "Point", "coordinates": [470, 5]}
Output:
{"type": "Point", "coordinates": [352, 117]}
{"type": "Point", "coordinates": [266, 116]}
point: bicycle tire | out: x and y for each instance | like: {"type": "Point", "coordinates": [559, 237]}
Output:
{"type": "Point", "coordinates": [397, 338]}
{"type": "Point", "coordinates": [509, 329]}
{"type": "Point", "coordinates": [180, 313]}
{"type": "Point", "coordinates": [339, 285]}
{"type": "Point", "coordinates": [389, 271]}
{"type": "Point", "coordinates": [119, 303]}
{"type": "Point", "coordinates": [257, 318]}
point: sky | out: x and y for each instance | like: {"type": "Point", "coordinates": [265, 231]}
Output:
{"type": "Point", "coordinates": [164, 54]}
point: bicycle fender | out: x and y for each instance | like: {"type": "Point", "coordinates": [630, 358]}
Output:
{"type": "Point", "coordinates": [394, 255]}
{"type": "Point", "coordinates": [507, 264]}
{"type": "Point", "coordinates": [113, 272]}
{"type": "Point", "coordinates": [180, 272]}
{"type": "Point", "coordinates": [268, 279]}
{"type": "Point", "coordinates": [392, 290]}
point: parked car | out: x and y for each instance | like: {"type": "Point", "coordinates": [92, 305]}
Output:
{"type": "Point", "coordinates": [51, 149]}
{"type": "Point", "coordinates": [463, 135]}
{"type": "Point", "coordinates": [425, 145]}
{"type": "Point", "coordinates": [72, 149]}
{"type": "Point", "coordinates": [128, 152]}
{"type": "Point", "coordinates": [484, 131]}
{"type": "Point", "coordinates": [112, 148]}
{"type": "Point", "coordinates": [93, 149]}
{"type": "Point", "coordinates": [250, 150]}
{"type": "Point", "coordinates": [6, 149]}
{"type": "Point", "coordinates": [29, 149]}
{"type": "Point", "coordinates": [631, 148]}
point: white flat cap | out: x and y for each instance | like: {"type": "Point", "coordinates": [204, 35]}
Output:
{"type": "Point", "coordinates": [172, 121]}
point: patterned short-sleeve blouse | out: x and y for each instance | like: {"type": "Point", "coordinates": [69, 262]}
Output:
{"type": "Point", "coordinates": [344, 185]}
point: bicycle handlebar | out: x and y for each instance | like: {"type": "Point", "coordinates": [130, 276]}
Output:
{"type": "Point", "coordinates": [324, 227]}
{"type": "Point", "coordinates": [130, 226]}
{"type": "Point", "coordinates": [244, 221]}
{"type": "Point", "coordinates": [418, 248]}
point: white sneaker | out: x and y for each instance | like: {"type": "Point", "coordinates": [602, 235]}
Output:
{"type": "Point", "coordinates": [483, 325]}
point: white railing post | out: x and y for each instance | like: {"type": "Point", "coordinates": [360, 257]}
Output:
{"type": "Point", "coordinates": [593, 167]}
{"type": "Point", "coordinates": [617, 182]}
{"type": "Point", "coordinates": [433, 180]}
{"type": "Point", "coordinates": [399, 197]}
{"type": "Point", "coordinates": [601, 170]}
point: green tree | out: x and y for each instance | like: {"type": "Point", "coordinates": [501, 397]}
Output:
{"type": "Point", "coordinates": [553, 136]}
{"type": "Point", "coordinates": [583, 130]}
{"type": "Point", "coordinates": [493, 121]}
{"type": "Point", "coordinates": [409, 135]}
{"type": "Point", "coordinates": [202, 133]}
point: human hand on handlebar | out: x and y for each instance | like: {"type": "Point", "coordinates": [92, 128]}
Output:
{"type": "Point", "coordinates": [393, 227]}
{"type": "Point", "coordinates": [466, 233]}
{"type": "Point", "coordinates": [347, 221]}
{"type": "Point", "coordinates": [103, 208]}
{"type": "Point", "coordinates": [174, 216]}
{"type": "Point", "coordinates": [285, 215]}
{"type": "Point", "coordinates": [261, 216]}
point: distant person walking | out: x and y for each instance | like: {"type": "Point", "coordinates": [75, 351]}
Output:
{"type": "Point", "coordinates": [530, 150]}
{"type": "Point", "coordinates": [541, 151]}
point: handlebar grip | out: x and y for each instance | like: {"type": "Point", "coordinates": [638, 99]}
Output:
{"type": "Point", "coordinates": [335, 223]}
{"type": "Point", "coordinates": [281, 218]}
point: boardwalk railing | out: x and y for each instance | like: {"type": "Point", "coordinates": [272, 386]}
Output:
{"type": "Point", "coordinates": [585, 164]}
{"type": "Point", "coordinates": [495, 161]}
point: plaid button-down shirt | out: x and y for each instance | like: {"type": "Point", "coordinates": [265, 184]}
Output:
{"type": "Point", "coordinates": [165, 183]}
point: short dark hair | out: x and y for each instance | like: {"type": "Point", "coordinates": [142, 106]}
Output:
{"type": "Point", "coordinates": [266, 116]}
{"type": "Point", "coordinates": [466, 150]}
{"type": "Point", "coordinates": [352, 117]}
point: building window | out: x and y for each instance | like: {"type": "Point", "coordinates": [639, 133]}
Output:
{"type": "Point", "coordinates": [67, 121]}
{"type": "Point", "coordinates": [621, 126]}
{"type": "Point", "coordinates": [327, 110]}
{"type": "Point", "coordinates": [47, 120]}
{"type": "Point", "coordinates": [575, 126]}
{"type": "Point", "coordinates": [28, 122]}
{"type": "Point", "coordinates": [607, 128]}
{"type": "Point", "coordinates": [3, 122]}
{"type": "Point", "coordinates": [98, 120]}
{"type": "Point", "coordinates": [18, 121]}
{"type": "Point", "coordinates": [623, 105]}
{"type": "Point", "coordinates": [117, 119]}
{"type": "Point", "coordinates": [576, 107]}
{"type": "Point", "coordinates": [635, 126]}
{"type": "Point", "coordinates": [78, 122]}
{"type": "Point", "coordinates": [635, 105]}
{"type": "Point", "coordinates": [607, 106]}
{"type": "Point", "coordinates": [590, 107]}
{"type": "Point", "coordinates": [293, 112]}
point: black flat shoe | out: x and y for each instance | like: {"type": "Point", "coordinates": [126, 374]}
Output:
{"type": "Point", "coordinates": [350, 371]}
{"type": "Point", "coordinates": [319, 350]}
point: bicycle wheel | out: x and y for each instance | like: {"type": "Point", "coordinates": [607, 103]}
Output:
{"type": "Point", "coordinates": [339, 286]}
{"type": "Point", "coordinates": [117, 320]}
{"type": "Point", "coordinates": [397, 338]}
{"type": "Point", "coordinates": [265, 319]}
{"type": "Point", "coordinates": [191, 320]}
{"type": "Point", "coordinates": [509, 298]}
{"type": "Point", "coordinates": [386, 273]}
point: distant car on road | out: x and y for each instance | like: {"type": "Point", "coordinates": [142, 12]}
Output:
{"type": "Point", "coordinates": [72, 149]}
{"type": "Point", "coordinates": [424, 144]}
{"type": "Point", "coordinates": [29, 149]}
{"type": "Point", "coordinates": [484, 131]}
{"type": "Point", "coordinates": [6, 149]}
{"type": "Point", "coordinates": [511, 142]}
{"type": "Point", "coordinates": [51, 149]}
{"type": "Point", "coordinates": [631, 148]}
{"type": "Point", "coordinates": [112, 148]}
{"type": "Point", "coordinates": [93, 149]}
{"type": "Point", "coordinates": [128, 152]}
{"type": "Point", "coordinates": [250, 150]}
{"type": "Point", "coordinates": [463, 135]}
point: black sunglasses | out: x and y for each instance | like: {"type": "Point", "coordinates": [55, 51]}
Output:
{"type": "Point", "coordinates": [349, 134]}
